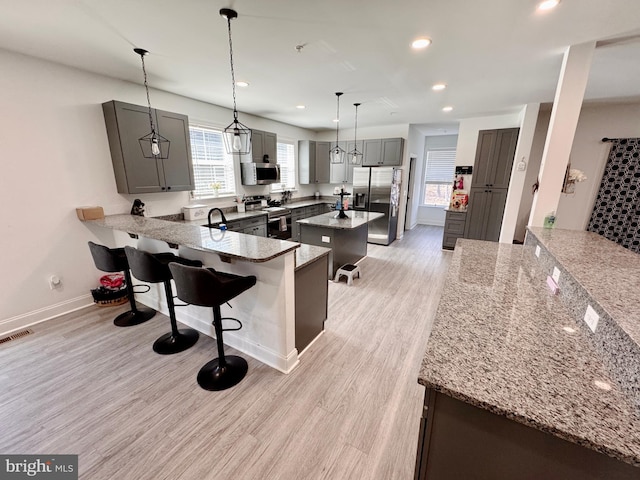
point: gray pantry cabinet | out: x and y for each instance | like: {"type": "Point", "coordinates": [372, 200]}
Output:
{"type": "Point", "coordinates": [313, 162]}
{"type": "Point", "coordinates": [491, 174]}
{"type": "Point", "coordinates": [383, 152]}
{"type": "Point", "coordinates": [135, 174]}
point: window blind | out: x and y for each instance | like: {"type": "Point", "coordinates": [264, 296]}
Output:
{"type": "Point", "coordinates": [212, 165]}
{"type": "Point", "coordinates": [440, 166]}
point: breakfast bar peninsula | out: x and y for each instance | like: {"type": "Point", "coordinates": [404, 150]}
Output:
{"type": "Point", "coordinates": [267, 311]}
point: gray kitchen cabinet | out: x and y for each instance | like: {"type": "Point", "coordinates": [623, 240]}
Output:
{"type": "Point", "coordinates": [490, 182]}
{"type": "Point", "coordinates": [484, 213]}
{"type": "Point", "coordinates": [264, 143]}
{"type": "Point", "coordinates": [494, 157]}
{"type": "Point", "coordinates": [454, 225]}
{"type": "Point", "coordinates": [383, 152]}
{"type": "Point", "coordinates": [343, 172]}
{"type": "Point", "coordinates": [252, 226]}
{"type": "Point", "coordinates": [301, 213]}
{"type": "Point", "coordinates": [313, 162]}
{"type": "Point", "coordinates": [135, 174]}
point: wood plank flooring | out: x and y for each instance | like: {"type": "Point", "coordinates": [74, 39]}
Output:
{"type": "Point", "coordinates": [351, 409]}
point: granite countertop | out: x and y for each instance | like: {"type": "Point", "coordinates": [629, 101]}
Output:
{"type": "Point", "coordinates": [616, 287]}
{"type": "Point", "coordinates": [503, 343]}
{"type": "Point", "coordinates": [227, 244]}
{"type": "Point", "coordinates": [309, 253]}
{"type": "Point", "coordinates": [356, 219]}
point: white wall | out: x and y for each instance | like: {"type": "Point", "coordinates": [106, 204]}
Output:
{"type": "Point", "coordinates": [590, 154]}
{"type": "Point", "coordinates": [56, 157]}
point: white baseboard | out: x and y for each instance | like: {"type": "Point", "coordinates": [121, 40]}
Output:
{"type": "Point", "coordinates": [42, 315]}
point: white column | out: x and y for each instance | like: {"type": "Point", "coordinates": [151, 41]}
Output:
{"type": "Point", "coordinates": [562, 128]}
{"type": "Point", "coordinates": [528, 120]}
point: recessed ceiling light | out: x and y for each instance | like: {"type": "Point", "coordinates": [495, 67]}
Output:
{"type": "Point", "coordinates": [421, 43]}
{"type": "Point", "coordinates": [439, 86]}
{"type": "Point", "coordinates": [447, 109]}
{"type": "Point", "coordinates": [300, 107]}
{"type": "Point", "coordinates": [335, 120]}
{"type": "Point", "coordinates": [242, 84]}
{"type": "Point", "coordinates": [548, 4]}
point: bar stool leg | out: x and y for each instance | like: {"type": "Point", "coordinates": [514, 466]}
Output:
{"type": "Point", "coordinates": [176, 340]}
{"type": "Point", "coordinates": [225, 371]}
{"type": "Point", "coordinates": [136, 315]}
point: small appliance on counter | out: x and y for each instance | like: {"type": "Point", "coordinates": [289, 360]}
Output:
{"type": "Point", "coordinates": [195, 212]}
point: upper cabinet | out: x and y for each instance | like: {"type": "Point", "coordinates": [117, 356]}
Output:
{"type": "Point", "coordinates": [494, 157]}
{"type": "Point", "coordinates": [385, 152]}
{"type": "Point", "coordinates": [313, 162]}
{"type": "Point", "coordinates": [343, 172]}
{"type": "Point", "coordinates": [134, 173]}
{"type": "Point", "coordinates": [264, 143]}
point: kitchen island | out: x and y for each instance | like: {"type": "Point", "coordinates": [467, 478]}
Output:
{"type": "Point", "coordinates": [347, 237]}
{"type": "Point", "coordinates": [515, 387]}
{"type": "Point", "coordinates": [267, 310]}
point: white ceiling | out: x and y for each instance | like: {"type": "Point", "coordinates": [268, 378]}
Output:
{"type": "Point", "coordinates": [495, 56]}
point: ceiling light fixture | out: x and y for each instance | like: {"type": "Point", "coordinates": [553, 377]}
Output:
{"type": "Point", "coordinates": [153, 144]}
{"type": "Point", "coordinates": [447, 109]}
{"type": "Point", "coordinates": [355, 155]}
{"type": "Point", "coordinates": [242, 84]}
{"type": "Point", "coordinates": [237, 137]}
{"type": "Point", "coordinates": [439, 86]}
{"type": "Point", "coordinates": [300, 107]}
{"type": "Point", "coordinates": [548, 4]}
{"type": "Point", "coordinates": [421, 43]}
{"type": "Point", "coordinates": [337, 153]}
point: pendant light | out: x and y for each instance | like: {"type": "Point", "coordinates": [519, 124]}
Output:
{"type": "Point", "coordinates": [355, 155]}
{"type": "Point", "coordinates": [237, 137]}
{"type": "Point", "coordinates": [153, 144]}
{"type": "Point", "coordinates": [337, 153]}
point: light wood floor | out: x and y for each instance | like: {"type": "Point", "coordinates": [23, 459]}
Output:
{"type": "Point", "coordinates": [351, 409]}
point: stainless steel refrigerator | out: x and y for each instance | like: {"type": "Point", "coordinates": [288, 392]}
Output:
{"type": "Point", "coordinates": [377, 189]}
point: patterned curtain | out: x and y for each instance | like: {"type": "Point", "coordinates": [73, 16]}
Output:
{"type": "Point", "coordinates": [617, 210]}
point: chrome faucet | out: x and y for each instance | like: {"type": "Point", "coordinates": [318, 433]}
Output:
{"type": "Point", "coordinates": [222, 217]}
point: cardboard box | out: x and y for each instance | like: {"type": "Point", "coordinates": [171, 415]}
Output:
{"type": "Point", "coordinates": [90, 213]}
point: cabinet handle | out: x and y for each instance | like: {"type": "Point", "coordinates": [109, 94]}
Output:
{"type": "Point", "coordinates": [162, 188]}
{"type": "Point", "coordinates": [168, 188]}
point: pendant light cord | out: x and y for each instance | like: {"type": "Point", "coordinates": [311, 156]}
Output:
{"type": "Point", "coordinates": [337, 116]}
{"type": "Point", "coordinates": [233, 75]}
{"type": "Point", "coordinates": [146, 87]}
{"type": "Point", "coordinates": [355, 133]}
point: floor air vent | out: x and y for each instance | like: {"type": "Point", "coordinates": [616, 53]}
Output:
{"type": "Point", "coordinates": [20, 334]}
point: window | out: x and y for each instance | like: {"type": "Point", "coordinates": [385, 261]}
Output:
{"type": "Point", "coordinates": [438, 179]}
{"type": "Point", "coordinates": [287, 161]}
{"type": "Point", "coordinates": [212, 165]}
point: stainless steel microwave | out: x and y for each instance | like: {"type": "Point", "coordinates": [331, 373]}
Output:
{"type": "Point", "coordinates": [260, 173]}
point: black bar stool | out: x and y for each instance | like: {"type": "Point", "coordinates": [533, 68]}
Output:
{"type": "Point", "coordinates": [154, 268]}
{"type": "Point", "coordinates": [208, 288]}
{"type": "Point", "coordinates": [115, 260]}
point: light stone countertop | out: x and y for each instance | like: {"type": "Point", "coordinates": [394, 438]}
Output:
{"type": "Point", "coordinates": [309, 253]}
{"type": "Point", "coordinates": [229, 244]}
{"type": "Point", "coordinates": [499, 343]}
{"type": "Point", "coordinates": [609, 272]}
{"type": "Point", "coordinates": [356, 219]}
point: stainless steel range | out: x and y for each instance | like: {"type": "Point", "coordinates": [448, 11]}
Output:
{"type": "Point", "coordinates": [279, 222]}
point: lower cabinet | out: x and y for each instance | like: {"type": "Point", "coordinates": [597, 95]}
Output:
{"type": "Point", "coordinates": [312, 288]}
{"type": "Point", "coordinates": [484, 213]}
{"type": "Point", "coordinates": [302, 213]}
{"type": "Point", "coordinates": [251, 226]}
{"type": "Point", "coordinates": [454, 224]}
{"type": "Point", "coordinates": [459, 440]}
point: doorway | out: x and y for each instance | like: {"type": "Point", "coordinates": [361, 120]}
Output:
{"type": "Point", "coordinates": [410, 188]}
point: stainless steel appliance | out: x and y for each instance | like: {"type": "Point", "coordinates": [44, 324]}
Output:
{"type": "Point", "coordinates": [259, 173]}
{"type": "Point", "coordinates": [377, 189]}
{"type": "Point", "coordinates": [278, 222]}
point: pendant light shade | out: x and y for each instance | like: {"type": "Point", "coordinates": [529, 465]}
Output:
{"type": "Point", "coordinates": [355, 155]}
{"type": "Point", "coordinates": [337, 153]}
{"type": "Point", "coordinates": [237, 137]}
{"type": "Point", "coordinates": [153, 144]}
